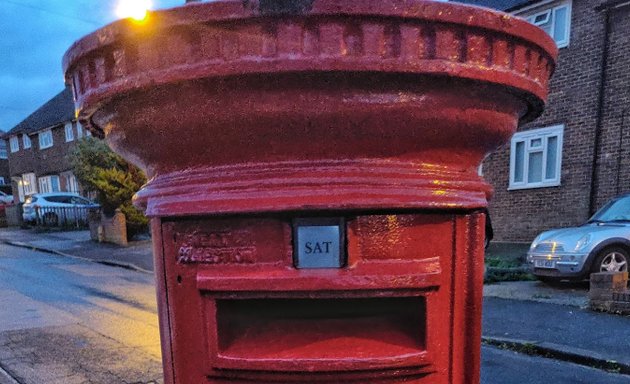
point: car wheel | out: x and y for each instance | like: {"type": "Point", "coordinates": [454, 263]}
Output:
{"type": "Point", "coordinates": [612, 259]}
{"type": "Point", "coordinates": [51, 219]}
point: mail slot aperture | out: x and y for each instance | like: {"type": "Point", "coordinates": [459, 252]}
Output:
{"type": "Point", "coordinates": [354, 334]}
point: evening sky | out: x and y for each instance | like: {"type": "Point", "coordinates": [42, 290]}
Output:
{"type": "Point", "coordinates": [34, 35]}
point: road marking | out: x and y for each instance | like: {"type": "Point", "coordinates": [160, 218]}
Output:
{"type": "Point", "coordinates": [5, 378]}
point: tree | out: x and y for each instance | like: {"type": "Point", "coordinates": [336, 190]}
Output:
{"type": "Point", "coordinates": [112, 178]}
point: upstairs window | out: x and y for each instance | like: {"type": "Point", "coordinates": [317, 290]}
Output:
{"type": "Point", "coordinates": [536, 157]}
{"type": "Point", "coordinates": [69, 132]}
{"type": "Point", "coordinates": [3, 150]}
{"type": "Point", "coordinates": [555, 20]}
{"type": "Point", "coordinates": [79, 130]}
{"type": "Point", "coordinates": [14, 144]}
{"type": "Point", "coordinates": [26, 141]}
{"type": "Point", "coordinates": [45, 139]}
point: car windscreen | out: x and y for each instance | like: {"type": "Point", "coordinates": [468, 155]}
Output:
{"type": "Point", "coordinates": [81, 201]}
{"type": "Point", "coordinates": [59, 199]}
{"type": "Point", "coordinates": [615, 210]}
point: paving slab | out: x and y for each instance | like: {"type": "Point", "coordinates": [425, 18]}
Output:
{"type": "Point", "coordinates": [75, 354]}
{"type": "Point", "coordinates": [137, 255]}
{"type": "Point", "coordinates": [572, 294]}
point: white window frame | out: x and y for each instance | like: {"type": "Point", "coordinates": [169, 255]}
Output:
{"type": "Point", "coordinates": [3, 151]}
{"type": "Point", "coordinates": [526, 137]}
{"type": "Point", "coordinates": [14, 143]}
{"type": "Point", "coordinates": [46, 185]}
{"type": "Point", "coordinates": [546, 13]}
{"type": "Point", "coordinates": [70, 181]}
{"type": "Point", "coordinates": [551, 11]}
{"type": "Point", "coordinates": [69, 130]}
{"type": "Point", "coordinates": [79, 130]}
{"type": "Point", "coordinates": [26, 141]}
{"type": "Point", "coordinates": [29, 184]}
{"type": "Point", "coordinates": [43, 184]}
{"type": "Point", "coordinates": [45, 139]}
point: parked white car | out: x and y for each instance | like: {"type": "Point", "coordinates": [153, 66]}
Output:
{"type": "Point", "coordinates": [56, 207]}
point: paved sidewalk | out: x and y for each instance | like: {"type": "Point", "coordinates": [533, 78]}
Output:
{"type": "Point", "coordinates": [65, 320]}
{"type": "Point", "coordinates": [572, 294]}
{"type": "Point", "coordinates": [560, 331]}
{"type": "Point", "coordinates": [138, 255]}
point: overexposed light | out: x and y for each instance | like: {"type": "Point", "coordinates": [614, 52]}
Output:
{"type": "Point", "coordinates": [135, 9]}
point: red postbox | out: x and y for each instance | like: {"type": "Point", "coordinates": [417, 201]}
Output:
{"type": "Point", "coordinates": [316, 210]}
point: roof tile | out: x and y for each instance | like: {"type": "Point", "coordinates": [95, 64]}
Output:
{"type": "Point", "coordinates": [56, 111]}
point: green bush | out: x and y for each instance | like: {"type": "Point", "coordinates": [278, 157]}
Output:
{"type": "Point", "coordinates": [112, 178]}
{"type": "Point", "coordinates": [505, 269]}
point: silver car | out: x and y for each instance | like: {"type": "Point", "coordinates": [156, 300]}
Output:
{"type": "Point", "coordinates": [601, 244]}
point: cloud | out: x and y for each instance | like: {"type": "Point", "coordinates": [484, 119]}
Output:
{"type": "Point", "coordinates": [34, 37]}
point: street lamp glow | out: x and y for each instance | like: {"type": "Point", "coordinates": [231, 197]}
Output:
{"type": "Point", "coordinates": [135, 9]}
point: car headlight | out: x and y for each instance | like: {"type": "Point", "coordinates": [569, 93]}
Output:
{"type": "Point", "coordinates": [535, 242]}
{"type": "Point", "coordinates": [583, 242]}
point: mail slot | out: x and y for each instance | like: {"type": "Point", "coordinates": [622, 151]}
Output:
{"type": "Point", "coordinates": [316, 211]}
{"type": "Point", "coordinates": [325, 334]}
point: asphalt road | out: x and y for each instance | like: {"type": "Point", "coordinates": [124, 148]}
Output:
{"type": "Point", "coordinates": [507, 367]}
{"type": "Point", "coordinates": [602, 333]}
{"type": "Point", "coordinates": [67, 321]}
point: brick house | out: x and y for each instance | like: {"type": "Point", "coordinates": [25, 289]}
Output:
{"type": "Point", "coordinates": [4, 164]}
{"type": "Point", "coordinates": [39, 147]}
{"type": "Point", "coordinates": [560, 168]}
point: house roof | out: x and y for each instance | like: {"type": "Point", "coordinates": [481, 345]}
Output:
{"type": "Point", "coordinates": [56, 111]}
{"type": "Point", "coordinates": [502, 5]}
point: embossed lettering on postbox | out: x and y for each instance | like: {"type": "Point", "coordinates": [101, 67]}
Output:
{"type": "Point", "coordinates": [220, 247]}
{"type": "Point", "coordinates": [318, 243]}
{"type": "Point", "coordinates": [234, 241]}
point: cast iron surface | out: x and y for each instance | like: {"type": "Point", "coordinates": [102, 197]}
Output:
{"type": "Point", "coordinates": [248, 115]}
{"type": "Point", "coordinates": [236, 107]}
